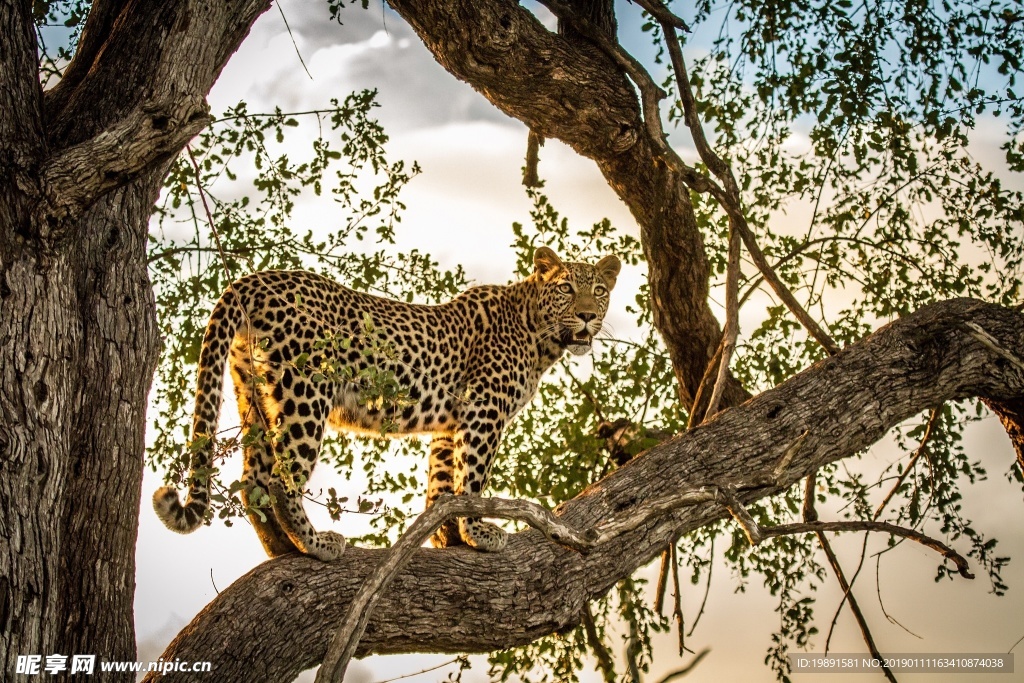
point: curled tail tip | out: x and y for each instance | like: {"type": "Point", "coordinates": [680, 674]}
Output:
{"type": "Point", "coordinates": [177, 517]}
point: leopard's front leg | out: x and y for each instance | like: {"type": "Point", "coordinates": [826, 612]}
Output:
{"type": "Point", "coordinates": [440, 481]}
{"type": "Point", "coordinates": [476, 444]}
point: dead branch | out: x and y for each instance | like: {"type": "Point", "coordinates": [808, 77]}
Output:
{"type": "Point", "coordinates": [732, 319]}
{"type": "Point", "coordinates": [534, 141]}
{"type": "Point", "coordinates": [962, 566]}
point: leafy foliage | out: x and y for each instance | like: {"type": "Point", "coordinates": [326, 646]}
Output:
{"type": "Point", "coordinates": [862, 117]}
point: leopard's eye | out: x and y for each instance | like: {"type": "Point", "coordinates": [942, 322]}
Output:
{"type": "Point", "coordinates": [600, 290]}
{"type": "Point", "coordinates": [565, 288]}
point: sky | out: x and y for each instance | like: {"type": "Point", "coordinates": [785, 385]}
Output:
{"type": "Point", "coordinates": [461, 210]}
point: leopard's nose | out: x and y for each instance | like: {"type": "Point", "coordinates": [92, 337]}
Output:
{"type": "Point", "coordinates": [586, 317]}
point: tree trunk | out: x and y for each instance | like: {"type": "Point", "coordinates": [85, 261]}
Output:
{"type": "Point", "coordinates": [458, 600]}
{"type": "Point", "coordinates": [80, 169]}
{"type": "Point", "coordinates": [78, 347]}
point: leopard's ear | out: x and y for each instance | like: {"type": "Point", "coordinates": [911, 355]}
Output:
{"type": "Point", "coordinates": [546, 263]}
{"type": "Point", "coordinates": [608, 268]}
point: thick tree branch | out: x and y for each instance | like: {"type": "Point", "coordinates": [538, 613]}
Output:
{"type": "Point", "coordinates": [151, 133]}
{"type": "Point", "coordinates": [133, 97]}
{"type": "Point", "coordinates": [98, 25]}
{"type": "Point", "coordinates": [459, 600]}
{"type": "Point", "coordinates": [79, 173]}
{"type": "Point", "coordinates": [21, 133]}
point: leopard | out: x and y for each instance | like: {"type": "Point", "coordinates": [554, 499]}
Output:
{"type": "Point", "coordinates": [467, 367]}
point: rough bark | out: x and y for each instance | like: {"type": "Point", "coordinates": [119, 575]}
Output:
{"type": "Point", "coordinates": [80, 169]}
{"type": "Point", "coordinates": [458, 600]}
{"type": "Point", "coordinates": [564, 88]}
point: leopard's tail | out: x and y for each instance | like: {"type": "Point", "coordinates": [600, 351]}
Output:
{"type": "Point", "coordinates": [225, 321]}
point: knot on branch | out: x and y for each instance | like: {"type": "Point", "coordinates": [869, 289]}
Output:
{"type": "Point", "coordinates": [188, 114]}
{"type": "Point", "coordinates": [74, 178]}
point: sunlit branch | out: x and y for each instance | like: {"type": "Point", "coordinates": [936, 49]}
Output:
{"type": "Point", "coordinates": [659, 593]}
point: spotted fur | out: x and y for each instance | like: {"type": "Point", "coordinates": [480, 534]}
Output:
{"type": "Point", "coordinates": [469, 365]}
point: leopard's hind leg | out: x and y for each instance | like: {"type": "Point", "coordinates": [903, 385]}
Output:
{"type": "Point", "coordinates": [258, 458]}
{"type": "Point", "coordinates": [297, 409]}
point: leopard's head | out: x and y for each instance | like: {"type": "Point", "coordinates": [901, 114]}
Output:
{"type": "Point", "coordinates": [573, 298]}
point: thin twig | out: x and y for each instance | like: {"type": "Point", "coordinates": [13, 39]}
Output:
{"type": "Point", "coordinates": [677, 608]}
{"type": "Point", "coordinates": [633, 649]}
{"type": "Point", "coordinates": [294, 44]}
{"type": "Point", "coordinates": [811, 514]}
{"type": "Point", "coordinates": [878, 594]}
{"type": "Point", "coordinates": [932, 421]}
{"type": "Point", "coordinates": [732, 319]}
{"type": "Point", "coordinates": [707, 589]}
{"type": "Point", "coordinates": [679, 673]}
{"type": "Point", "coordinates": [604, 659]}
{"type": "Point", "coordinates": [422, 671]}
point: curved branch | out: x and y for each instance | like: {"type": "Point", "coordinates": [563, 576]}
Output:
{"type": "Point", "coordinates": [459, 600]}
{"type": "Point", "coordinates": [728, 195]}
{"type": "Point", "coordinates": [568, 90]}
{"type": "Point", "coordinates": [962, 566]}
